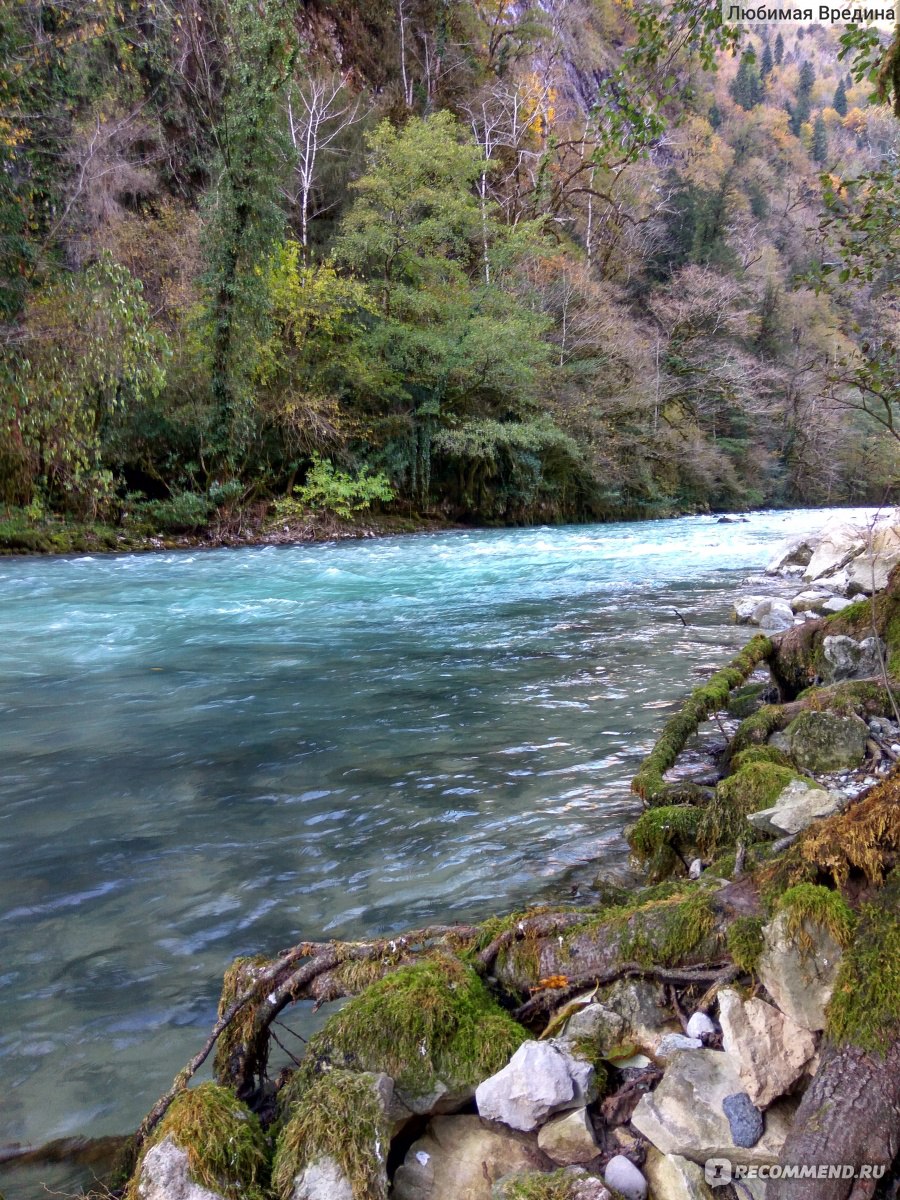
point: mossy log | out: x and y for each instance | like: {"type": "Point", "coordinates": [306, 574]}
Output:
{"type": "Point", "coordinates": [710, 697]}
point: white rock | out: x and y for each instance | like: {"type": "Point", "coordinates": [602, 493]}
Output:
{"type": "Point", "coordinates": [699, 1024]}
{"type": "Point", "coordinates": [773, 614]}
{"type": "Point", "coordinates": [795, 553]}
{"type": "Point", "coordinates": [695, 870]}
{"type": "Point", "coordinates": [834, 604]}
{"type": "Point", "coordinates": [771, 1050]}
{"type": "Point", "coordinates": [541, 1078]}
{"type": "Point", "coordinates": [745, 607]}
{"type": "Point", "coordinates": [164, 1176]}
{"type": "Point", "coordinates": [322, 1180]}
{"type": "Point", "coordinates": [813, 601]}
{"type": "Point", "coordinates": [797, 807]}
{"type": "Point", "coordinates": [800, 983]}
{"type": "Point", "coordinates": [672, 1043]}
{"type": "Point", "coordinates": [569, 1139]}
{"type": "Point", "coordinates": [623, 1177]}
{"type": "Point", "coordinates": [684, 1114]}
{"type": "Point", "coordinates": [839, 542]}
{"type": "Point", "coordinates": [870, 569]}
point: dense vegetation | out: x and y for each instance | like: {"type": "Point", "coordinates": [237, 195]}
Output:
{"type": "Point", "coordinates": [496, 262]}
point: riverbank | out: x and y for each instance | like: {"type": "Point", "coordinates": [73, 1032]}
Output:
{"type": "Point", "coordinates": [629, 546]}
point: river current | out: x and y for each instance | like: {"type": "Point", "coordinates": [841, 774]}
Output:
{"type": "Point", "coordinates": [213, 753]}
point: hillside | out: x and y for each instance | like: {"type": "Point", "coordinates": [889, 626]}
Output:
{"type": "Point", "coordinates": [491, 262]}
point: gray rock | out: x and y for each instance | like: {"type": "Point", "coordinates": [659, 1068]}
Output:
{"type": "Point", "coordinates": [700, 1024]}
{"type": "Point", "coordinates": [164, 1176]}
{"type": "Point", "coordinates": [695, 870]}
{"type": "Point", "coordinates": [322, 1180]}
{"type": "Point", "coordinates": [541, 1078]}
{"type": "Point", "coordinates": [771, 1050]}
{"type": "Point", "coordinates": [569, 1139]}
{"type": "Point", "coordinates": [835, 604]}
{"type": "Point", "coordinates": [800, 982]}
{"type": "Point", "coordinates": [684, 1114]}
{"type": "Point", "coordinates": [773, 615]}
{"type": "Point", "coordinates": [823, 741]}
{"type": "Point", "coordinates": [598, 1024]}
{"type": "Point", "coordinates": [643, 1009]}
{"type": "Point", "coordinates": [869, 571]}
{"type": "Point", "coordinates": [623, 1177]}
{"type": "Point", "coordinates": [672, 1043]}
{"type": "Point", "coordinates": [811, 601]}
{"type": "Point", "coordinates": [797, 807]}
{"type": "Point", "coordinates": [745, 607]}
{"type": "Point", "coordinates": [795, 553]}
{"type": "Point", "coordinates": [461, 1158]}
{"type": "Point", "coordinates": [846, 658]}
{"type": "Point", "coordinates": [744, 1119]}
{"type": "Point", "coordinates": [672, 1177]}
{"type": "Point", "coordinates": [838, 543]}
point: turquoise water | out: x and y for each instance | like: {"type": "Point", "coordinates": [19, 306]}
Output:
{"type": "Point", "coordinates": [214, 753]}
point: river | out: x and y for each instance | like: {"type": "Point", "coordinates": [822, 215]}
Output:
{"type": "Point", "coordinates": [213, 753]}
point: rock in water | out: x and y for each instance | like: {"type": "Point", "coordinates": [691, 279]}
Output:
{"type": "Point", "coordinates": [569, 1139]}
{"type": "Point", "coordinates": [623, 1177]}
{"type": "Point", "coordinates": [771, 1050]}
{"type": "Point", "coordinates": [823, 741]}
{"type": "Point", "coordinates": [164, 1176]}
{"type": "Point", "coordinates": [541, 1078]}
{"type": "Point", "coordinates": [799, 979]}
{"type": "Point", "coordinates": [461, 1158]}
{"type": "Point", "coordinates": [744, 1119]}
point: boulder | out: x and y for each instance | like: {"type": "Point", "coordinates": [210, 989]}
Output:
{"type": "Point", "coordinates": [684, 1115]}
{"type": "Point", "coordinates": [322, 1180]}
{"type": "Point", "coordinates": [824, 741]}
{"type": "Point", "coordinates": [642, 1007]}
{"type": "Point", "coordinates": [800, 980]}
{"type": "Point", "coordinates": [672, 1177]}
{"type": "Point", "coordinates": [795, 553]}
{"type": "Point", "coordinates": [796, 807]}
{"type": "Point", "coordinates": [838, 543]}
{"type": "Point", "coordinates": [846, 658]}
{"type": "Point", "coordinates": [598, 1024]}
{"type": "Point", "coordinates": [569, 1139]}
{"type": "Point", "coordinates": [623, 1177]}
{"type": "Point", "coordinates": [541, 1078]}
{"type": "Point", "coordinates": [745, 607]}
{"type": "Point", "coordinates": [164, 1176]}
{"type": "Point", "coordinates": [773, 615]}
{"type": "Point", "coordinates": [461, 1158]}
{"type": "Point", "coordinates": [870, 569]}
{"type": "Point", "coordinates": [812, 601]}
{"type": "Point", "coordinates": [771, 1050]}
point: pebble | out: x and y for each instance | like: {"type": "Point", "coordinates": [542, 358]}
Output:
{"type": "Point", "coordinates": [744, 1119]}
{"type": "Point", "coordinates": [623, 1177]}
{"type": "Point", "coordinates": [698, 1025]}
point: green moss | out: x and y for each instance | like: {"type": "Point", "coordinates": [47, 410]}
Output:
{"type": "Point", "coordinates": [338, 1116]}
{"type": "Point", "coordinates": [224, 1142]}
{"type": "Point", "coordinates": [745, 942]}
{"type": "Point", "coordinates": [536, 1185]}
{"type": "Point", "coordinates": [758, 754]}
{"type": "Point", "coordinates": [809, 904]}
{"type": "Point", "coordinates": [237, 979]}
{"type": "Point", "coordinates": [865, 1005]}
{"type": "Point", "coordinates": [755, 730]}
{"type": "Point", "coordinates": [854, 697]}
{"type": "Point", "coordinates": [754, 786]}
{"type": "Point", "coordinates": [854, 616]}
{"type": "Point", "coordinates": [744, 701]}
{"type": "Point", "coordinates": [710, 697]}
{"type": "Point", "coordinates": [664, 933]}
{"type": "Point", "coordinates": [659, 834]}
{"type": "Point", "coordinates": [432, 1020]}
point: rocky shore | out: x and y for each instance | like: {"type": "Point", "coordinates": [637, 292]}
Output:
{"type": "Point", "coordinates": [736, 1018]}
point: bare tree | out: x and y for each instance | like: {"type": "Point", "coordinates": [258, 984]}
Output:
{"type": "Point", "coordinates": [320, 109]}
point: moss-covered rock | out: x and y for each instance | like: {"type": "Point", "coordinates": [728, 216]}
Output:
{"type": "Point", "coordinates": [755, 730]}
{"type": "Point", "coordinates": [432, 1026]}
{"type": "Point", "coordinates": [744, 701]}
{"type": "Point", "coordinates": [755, 786]}
{"type": "Point", "coordinates": [555, 1185]}
{"type": "Point", "coordinates": [660, 835]}
{"type": "Point", "coordinates": [824, 741]}
{"type": "Point", "coordinates": [758, 754]}
{"type": "Point", "coordinates": [745, 942]}
{"type": "Point", "coordinates": [338, 1124]}
{"type": "Point", "coordinates": [225, 1146]}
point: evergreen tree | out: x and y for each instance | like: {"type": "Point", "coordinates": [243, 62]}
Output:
{"type": "Point", "coordinates": [800, 113]}
{"type": "Point", "coordinates": [747, 89]}
{"type": "Point", "coordinates": [779, 50]}
{"type": "Point", "coordinates": [820, 140]}
{"type": "Point", "coordinates": [765, 66]}
{"type": "Point", "coordinates": [839, 103]}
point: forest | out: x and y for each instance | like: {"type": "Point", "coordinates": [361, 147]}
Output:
{"type": "Point", "coordinates": [485, 261]}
